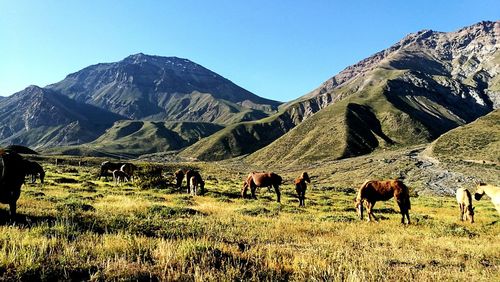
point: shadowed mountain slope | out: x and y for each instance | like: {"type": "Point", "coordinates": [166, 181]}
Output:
{"type": "Point", "coordinates": [38, 117]}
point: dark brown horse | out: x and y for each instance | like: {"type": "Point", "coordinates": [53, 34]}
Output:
{"type": "Point", "coordinates": [301, 186]}
{"type": "Point", "coordinates": [35, 169]}
{"type": "Point", "coordinates": [262, 179]}
{"type": "Point", "coordinates": [107, 169]}
{"type": "Point", "coordinates": [190, 173]}
{"type": "Point", "coordinates": [179, 176]}
{"type": "Point", "coordinates": [129, 169]}
{"type": "Point", "coordinates": [374, 191]}
{"type": "Point", "coordinates": [12, 173]}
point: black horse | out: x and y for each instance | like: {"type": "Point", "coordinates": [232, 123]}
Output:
{"type": "Point", "coordinates": [35, 170]}
{"type": "Point", "coordinates": [12, 173]}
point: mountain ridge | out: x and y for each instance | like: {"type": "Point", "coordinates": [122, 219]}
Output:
{"type": "Point", "coordinates": [428, 95]}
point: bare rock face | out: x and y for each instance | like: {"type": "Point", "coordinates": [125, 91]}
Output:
{"type": "Point", "coordinates": [39, 117]}
{"type": "Point", "coordinates": [471, 52]}
{"type": "Point", "coordinates": [162, 88]}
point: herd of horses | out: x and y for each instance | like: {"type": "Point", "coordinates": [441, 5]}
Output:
{"type": "Point", "coordinates": [14, 169]}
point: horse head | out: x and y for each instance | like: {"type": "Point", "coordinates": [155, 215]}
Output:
{"type": "Point", "coordinates": [305, 176]}
{"type": "Point", "coordinates": [479, 191]}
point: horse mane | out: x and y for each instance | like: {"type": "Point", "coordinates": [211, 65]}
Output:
{"type": "Point", "coordinates": [364, 184]}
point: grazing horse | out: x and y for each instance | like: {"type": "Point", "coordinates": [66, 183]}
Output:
{"type": "Point", "coordinates": [301, 186]}
{"type": "Point", "coordinates": [12, 173]}
{"type": "Point", "coordinates": [262, 179]}
{"type": "Point", "coordinates": [194, 181]}
{"type": "Point", "coordinates": [374, 190]}
{"type": "Point", "coordinates": [190, 173]}
{"type": "Point", "coordinates": [108, 167]}
{"type": "Point", "coordinates": [492, 191]}
{"type": "Point", "coordinates": [179, 176]}
{"type": "Point", "coordinates": [464, 200]}
{"type": "Point", "coordinates": [35, 169]}
{"type": "Point", "coordinates": [129, 169]}
{"type": "Point", "coordinates": [120, 176]}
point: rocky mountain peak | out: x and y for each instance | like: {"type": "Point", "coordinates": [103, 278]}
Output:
{"type": "Point", "coordinates": [166, 88]}
{"type": "Point", "coordinates": [461, 54]}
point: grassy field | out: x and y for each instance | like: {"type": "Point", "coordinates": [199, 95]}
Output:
{"type": "Point", "coordinates": [78, 228]}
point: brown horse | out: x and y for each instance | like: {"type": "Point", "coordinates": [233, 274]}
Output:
{"type": "Point", "coordinates": [107, 169]}
{"type": "Point", "coordinates": [35, 169]}
{"type": "Point", "coordinates": [301, 186]}
{"type": "Point", "coordinates": [179, 176]}
{"type": "Point", "coordinates": [374, 190]}
{"type": "Point", "coordinates": [464, 200]}
{"type": "Point", "coordinates": [12, 173]}
{"type": "Point", "coordinates": [262, 179]}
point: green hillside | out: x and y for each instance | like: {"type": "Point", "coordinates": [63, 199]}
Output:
{"type": "Point", "coordinates": [239, 139]}
{"type": "Point", "coordinates": [135, 138]}
{"type": "Point", "coordinates": [478, 141]}
{"type": "Point", "coordinates": [354, 126]}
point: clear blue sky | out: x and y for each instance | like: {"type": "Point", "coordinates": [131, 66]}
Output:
{"type": "Point", "coordinates": [278, 49]}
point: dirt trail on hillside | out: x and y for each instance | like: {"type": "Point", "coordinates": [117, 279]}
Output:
{"type": "Point", "coordinates": [436, 178]}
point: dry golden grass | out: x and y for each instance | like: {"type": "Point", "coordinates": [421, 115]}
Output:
{"type": "Point", "coordinates": [98, 231]}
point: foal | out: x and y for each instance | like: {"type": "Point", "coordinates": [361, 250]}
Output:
{"type": "Point", "coordinates": [301, 186]}
{"type": "Point", "coordinates": [464, 200]}
{"type": "Point", "coordinates": [120, 176]}
{"type": "Point", "coordinates": [196, 181]}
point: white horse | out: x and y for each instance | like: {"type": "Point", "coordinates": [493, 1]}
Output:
{"type": "Point", "coordinates": [492, 191]}
{"type": "Point", "coordinates": [464, 200]}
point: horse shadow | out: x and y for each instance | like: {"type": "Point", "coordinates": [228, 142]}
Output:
{"type": "Point", "coordinates": [386, 211]}
{"type": "Point", "coordinates": [25, 220]}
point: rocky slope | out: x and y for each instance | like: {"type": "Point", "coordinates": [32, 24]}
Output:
{"type": "Point", "coordinates": [40, 117]}
{"type": "Point", "coordinates": [163, 89]}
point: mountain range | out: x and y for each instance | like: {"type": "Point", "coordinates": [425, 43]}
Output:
{"type": "Point", "coordinates": [412, 92]}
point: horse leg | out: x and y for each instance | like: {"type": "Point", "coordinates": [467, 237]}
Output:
{"type": "Point", "coordinates": [278, 193]}
{"type": "Point", "coordinates": [369, 208]}
{"type": "Point", "coordinates": [252, 189]}
{"type": "Point", "coordinates": [403, 210]}
{"type": "Point", "coordinates": [12, 206]}
{"type": "Point", "coordinates": [461, 212]}
{"type": "Point", "coordinates": [304, 197]}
